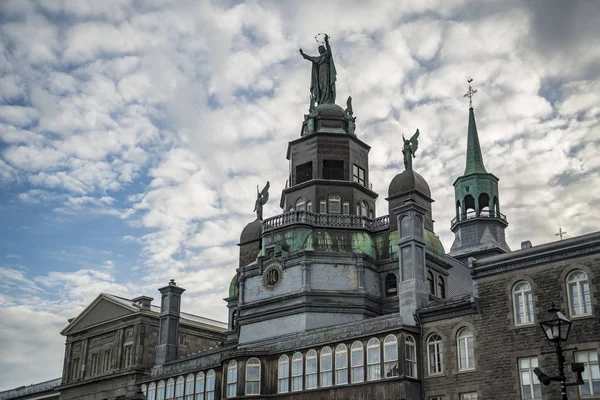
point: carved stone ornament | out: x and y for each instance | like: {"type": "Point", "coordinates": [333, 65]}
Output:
{"type": "Point", "coordinates": [272, 274]}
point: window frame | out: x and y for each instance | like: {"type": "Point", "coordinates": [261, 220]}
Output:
{"type": "Point", "coordinates": [588, 373]}
{"type": "Point", "coordinates": [322, 206]}
{"type": "Point", "coordinates": [581, 297]}
{"type": "Point", "coordinates": [431, 283]}
{"type": "Point", "coordinates": [468, 347]}
{"type": "Point", "coordinates": [300, 204]}
{"type": "Point", "coordinates": [374, 347]}
{"type": "Point", "coordinates": [106, 360]}
{"type": "Point", "coordinates": [190, 386]}
{"type": "Point", "coordinates": [358, 366]}
{"type": "Point", "coordinates": [128, 355]}
{"type": "Point", "coordinates": [468, 396]}
{"type": "Point", "coordinates": [199, 385]}
{"type": "Point", "coordinates": [160, 390]}
{"type": "Point", "coordinates": [390, 341]}
{"type": "Point", "coordinates": [356, 174]}
{"type": "Point", "coordinates": [283, 360]}
{"type": "Point", "coordinates": [211, 380]}
{"type": "Point", "coordinates": [297, 371]}
{"type": "Point", "coordinates": [441, 287]}
{"type": "Point", "coordinates": [253, 363]}
{"type": "Point", "coordinates": [151, 391]}
{"type": "Point", "coordinates": [180, 387]}
{"type": "Point", "coordinates": [391, 285]}
{"type": "Point", "coordinates": [341, 369]}
{"type": "Point", "coordinates": [523, 298]}
{"type": "Point", "coordinates": [325, 353]}
{"type": "Point", "coordinates": [435, 341]}
{"type": "Point", "coordinates": [334, 199]}
{"type": "Point", "coordinates": [312, 357]}
{"type": "Point", "coordinates": [170, 390]}
{"type": "Point", "coordinates": [232, 379]}
{"type": "Point", "coordinates": [532, 378]}
{"type": "Point", "coordinates": [410, 348]}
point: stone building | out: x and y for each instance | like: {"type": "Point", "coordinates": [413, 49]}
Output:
{"type": "Point", "coordinates": [331, 302]}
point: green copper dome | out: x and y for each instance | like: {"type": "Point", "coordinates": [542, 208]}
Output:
{"type": "Point", "coordinates": [233, 287]}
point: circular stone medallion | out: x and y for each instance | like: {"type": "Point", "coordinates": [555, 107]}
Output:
{"type": "Point", "coordinates": [271, 276]}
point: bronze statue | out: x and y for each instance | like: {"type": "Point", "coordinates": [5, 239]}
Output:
{"type": "Point", "coordinates": [409, 149]}
{"type": "Point", "coordinates": [323, 76]}
{"type": "Point", "coordinates": [261, 200]}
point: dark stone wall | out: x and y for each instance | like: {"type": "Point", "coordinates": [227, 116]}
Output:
{"type": "Point", "coordinates": [499, 343]}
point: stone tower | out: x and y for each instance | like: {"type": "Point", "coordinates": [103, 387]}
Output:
{"type": "Point", "coordinates": [478, 225]}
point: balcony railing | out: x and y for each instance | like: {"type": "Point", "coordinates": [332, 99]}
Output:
{"type": "Point", "coordinates": [326, 221]}
{"type": "Point", "coordinates": [482, 214]}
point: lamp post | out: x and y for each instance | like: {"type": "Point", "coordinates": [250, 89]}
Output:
{"type": "Point", "coordinates": [556, 327]}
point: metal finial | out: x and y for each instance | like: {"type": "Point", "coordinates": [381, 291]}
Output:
{"type": "Point", "coordinates": [560, 233]}
{"type": "Point", "coordinates": [470, 93]}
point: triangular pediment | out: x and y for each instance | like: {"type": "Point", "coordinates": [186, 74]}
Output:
{"type": "Point", "coordinates": [103, 309]}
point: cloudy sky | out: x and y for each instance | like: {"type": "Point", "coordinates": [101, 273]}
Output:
{"type": "Point", "coordinates": [133, 134]}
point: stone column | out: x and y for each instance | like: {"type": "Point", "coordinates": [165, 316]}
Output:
{"type": "Point", "coordinates": [168, 332]}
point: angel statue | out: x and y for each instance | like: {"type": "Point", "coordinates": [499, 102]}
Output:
{"type": "Point", "coordinates": [409, 149]}
{"type": "Point", "coordinates": [261, 200]}
{"type": "Point", "coordinates": [323, 76]}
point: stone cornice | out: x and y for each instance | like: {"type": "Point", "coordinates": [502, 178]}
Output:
{"type": "Point", "coordinates": [547, 253]}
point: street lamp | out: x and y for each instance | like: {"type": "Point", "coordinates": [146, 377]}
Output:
{"type": "Point", "coordinates": [556, 327]}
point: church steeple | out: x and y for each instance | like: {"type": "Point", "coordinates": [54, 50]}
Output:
{"type": "Point", "coordinates": [479, 225]}
{"type": "Point", "coordinates": [474, 157]}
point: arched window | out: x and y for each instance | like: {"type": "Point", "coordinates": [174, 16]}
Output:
{"type": "Point", "coordinates": [322, 206]}
{"type": "Point", "coordinates": [311, 369]}
{"type": "Point", "coordinates": [210, 385]}
{"type": "Point", "coordinates": [200, 386]}
{"type": "Point", "coordinates": [341, 364]}
{"type": "Point", "coordinates": [152, 391]}
{"type": "Point", "coordinates": [435, 354]}
{"type": "Point", "coordinates": [578, 289]}
{"type": "Point", "coordinates": [523, 303]}
{"type": "Point", "coordinates": [160, 390]}
{"type": "Point", "coordinates": [357, 362]}
{"type": "Point", "coordinates": [334, 204]}
{"type": "Point", "coordinates": [346, 208]}
{"type": "Point", "coordinates": [326, 367]}
{"type": "Point", "coordinates": [466, 351]}
{"type": "Point", "coordinates": [410, 349]}
{"type": "Point", "coordinates": [234, 320]}
{"type": "Point", "coordinates": [283, 374]}
{"type": "Point", "coordinates": [170, 393]}
{"type": "Point", "coordinates": [189, 387]}
{"type": "Point", "coordinates": [144, 390]}
{"type": "Point", "coordinates": [309, 207]}
{"type": "Point", "coordinates": [430, 283]}
{"type": "Point", "coordinates": [179, 388]}
{"type": "Point", "coordinates": [371, 214]}
{"type": "Point", "coordinates": [232, 379]}
{"type": "Point", "coordinates": [300, 204]}
{"type": "Point", "coordinates": [291, 209]}
{"type": "Point", "coordinates": [253, 376]}
{"type": "Point", "coordinates": [441, 288]}
{"type": "Point", "coordinates": [297, 364]}
{"type": "Point", "coordinates": [373, 360]}
{"type": "Point", "coordinates": [363, 208]}
{"type": "Point", "coordinates": [484, 204]}
{"type": "Point", "coordinates": [390, 356]}
{"type": "Point", "coordinates": [391, 285]}
{"type": "Point", "coordinates": [469, 206]}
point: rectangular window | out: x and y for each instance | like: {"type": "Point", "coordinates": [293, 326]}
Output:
{"type": "Point", "coordinates": [106, 361]}
{"type": "Point", "coordinates": [303, 173]}
{"type": "Point", "coordinates": [358, 174]}
{"type": "Point", "coordinates": [530, 385]}
{"type": "Point", "coordinates": [411, 357]}
{"type": "Point", "coordinates": [127, 356]}
{"type": "Point", "coordinates": [438, 398]}
{"type": "Point", "coordinates": [468, 396]}
{"type": "Point", "coordinates": [591, 374]}
{"type": "Point", "coordinates": [94, 366]}
{"type": "Point", "coordinates": [333, 169]}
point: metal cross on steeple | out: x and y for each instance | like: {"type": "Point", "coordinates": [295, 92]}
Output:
{"type": "Point", "coordinates": [560, 233]}
{"type": "Point", "coordinates": [470, 93]}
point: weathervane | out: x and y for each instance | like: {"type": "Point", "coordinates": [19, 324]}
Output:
{"type": "Point", "coordinates": [470, 93]}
